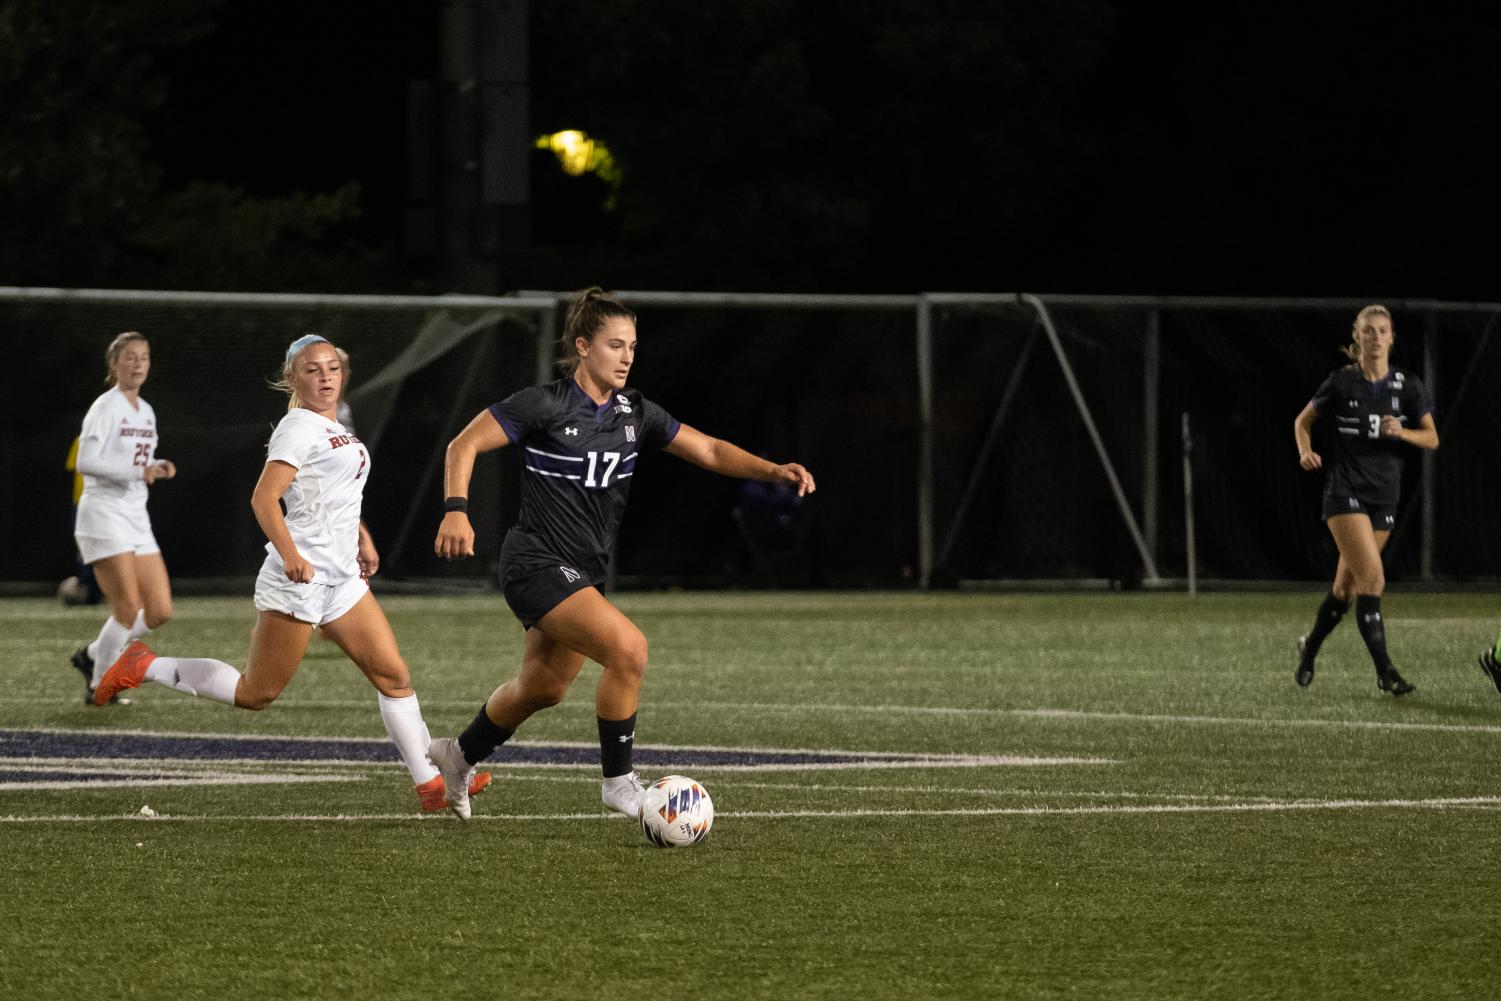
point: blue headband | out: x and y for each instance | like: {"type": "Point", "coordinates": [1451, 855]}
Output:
{"type": "Point", "coordinates": [302, 342]}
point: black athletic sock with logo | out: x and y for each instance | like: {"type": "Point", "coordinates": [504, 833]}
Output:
{"type": "Point", "coordinates": [1330, 613]}
{"type": "Point", "coordinates": [617, 739]}
{"type": "Point", "coordinates": [480, 739]}
{"type": "Point", "coordinates": [1368, 618]}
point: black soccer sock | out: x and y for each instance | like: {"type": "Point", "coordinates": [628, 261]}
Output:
{"type": "Point", "coordinates": [1330, 613]}
{"type": "Point", "coordinates": [480, 739]}
{"type": "Point", "coordinates": [617, 739]}
{"type": "Point", "coordinates": [1368, 618]}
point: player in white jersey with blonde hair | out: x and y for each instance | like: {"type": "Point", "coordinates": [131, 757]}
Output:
{"type": "Point", "coordinates": [318, 560]}
{"type": "Point", "coordinates": [117, 457]}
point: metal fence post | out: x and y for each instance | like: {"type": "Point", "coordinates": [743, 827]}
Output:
{"type": "Point", "coordinates": [1151, 381]}
{"type": "Point", "coordinates": [925, 441]}
{"type": "Point", "coordinates": [1430, 376]}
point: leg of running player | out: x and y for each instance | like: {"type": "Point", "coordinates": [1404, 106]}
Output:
{"type": "Point", "coordinates": [586, 622]}
{"type": "Point", "coordinates": [364, 634]}
{"type": "Point", "coordinates": [276, 648]}
{"type": "Point", "coordinates": [1344, 575]}
{"type": "Point", "coordinates": [117, 577]}
{"type": "Point", "coordinates": [277, 645]}
{"type": "Point", "coordinates": [547, 672]}
{"type": "Point", "coordinates": [583, 625]}
{"type": "Point", "coordinates": [1331, 612]}
{"type": "Point", "coordinates": [155, 589]}
{"type": "Point", "coordinates": [1360, 550]}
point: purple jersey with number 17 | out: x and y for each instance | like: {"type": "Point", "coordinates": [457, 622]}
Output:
{"type": "Point", "coordinates": [578, 458]}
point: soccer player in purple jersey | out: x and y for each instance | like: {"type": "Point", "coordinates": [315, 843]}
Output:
{"type": "Point", "coordinates": [1375, 409]}
{"type": "Point", "coordinates": [579, 439]}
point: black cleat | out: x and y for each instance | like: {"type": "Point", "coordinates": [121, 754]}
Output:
{"type": "Point", "coordinates": [1490, 667]}
{"type": "Point", "coordinates": [1391, 681]}
{"type": "Point", "coordinates": [1304, 674]}
{"type": "Point", "coordinates": [85, 665]}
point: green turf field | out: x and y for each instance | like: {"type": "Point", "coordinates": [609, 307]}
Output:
{"type": "Point", "coordinates": [1105, 796]}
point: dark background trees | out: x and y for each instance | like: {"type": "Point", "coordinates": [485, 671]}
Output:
{"type": "Point", "coordinates": [850, 145]}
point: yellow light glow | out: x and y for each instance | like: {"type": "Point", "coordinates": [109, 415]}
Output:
{"type": "Point", "coordinates": [574, 150]}
{"type": "Point", "coordinates": [578, 154]}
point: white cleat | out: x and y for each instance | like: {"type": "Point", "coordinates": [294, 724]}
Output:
{"type": "Point", "coordinates": [448, 758]}
{"type": "Point", "coordinates": [622, 793]}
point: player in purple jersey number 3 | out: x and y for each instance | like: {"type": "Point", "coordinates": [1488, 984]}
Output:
{"type": "Point", "coordinates": [1376, 410]}
{"type": "Point", "coordinates": [579, 438]}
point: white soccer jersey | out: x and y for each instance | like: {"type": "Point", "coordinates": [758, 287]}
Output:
{"type": "Point", "coordinates": [117, 443]}
{"type": "Point", "coordinates": [323, 502]}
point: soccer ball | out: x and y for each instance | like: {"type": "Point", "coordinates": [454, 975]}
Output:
{"type": "Point", "coordinates": [72, 591]}
{"type": "Point", "coordinates": [676, 812]}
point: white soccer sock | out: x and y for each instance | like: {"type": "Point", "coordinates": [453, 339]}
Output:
{"type": "Point", "coordinates": [138, 628]}
{"type": "Point", "coordinates": [200, 676]}
{"type": "Point", "coordinates": [403, 719]}
{"type": "Point", "coordinates": [107, 647]}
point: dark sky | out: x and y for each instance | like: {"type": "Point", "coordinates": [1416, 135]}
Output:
{"type": "Point", "coordinates": [1238, 149]}
{"type": "Point", "coordinates": [284, 97]}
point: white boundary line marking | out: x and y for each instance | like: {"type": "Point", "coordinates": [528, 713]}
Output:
{"type": "Point", "coordinates": [1004, 811]}
{"type": "Point", "coordinates": [180, 780]}
{"type": "Point", "coordinates": [1084, 714]}
{"type": "Point", "coordinates": [914, 763]}
{"type": "Point", "coordinates": [1042, 713]}
{"type": "Point", "coordinates": [850, 759]}
{"type": "Point", "coordinates": [153, 767]}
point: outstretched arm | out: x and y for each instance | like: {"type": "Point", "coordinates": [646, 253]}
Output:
{"type": "Point", "coordinates": [484, 434]}
{"type": "Point", "coordinates": [718, 456]}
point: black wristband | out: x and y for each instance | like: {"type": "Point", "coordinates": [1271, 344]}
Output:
{"type": "Point", "coordinates": [456, 504]}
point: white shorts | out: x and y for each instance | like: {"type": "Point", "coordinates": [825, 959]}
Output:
{"type": "Point", "coordinates": [141, 542]}
{"type": "Point", "coordinates": [313, 603]}
{"type": "Point", "coordinates": [109, 526]}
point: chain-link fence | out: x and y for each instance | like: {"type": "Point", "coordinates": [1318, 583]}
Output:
{"type": "Point", "coordinates": [953, 437]}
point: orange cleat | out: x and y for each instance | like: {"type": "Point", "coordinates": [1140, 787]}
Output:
{"type": "Point", "coordinates": [127, 672]}
{"type": "Point", "coordinates": [432, 793]}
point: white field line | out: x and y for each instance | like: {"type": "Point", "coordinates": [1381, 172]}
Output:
{"type": "Point", "coordinates": [931, 790]}
{"type": "Point", "coordinates": [1447, 623]}
{"type": "Point", "coordinates": [1459, 802]}
{"type": "Point", "coordinates": [179, 780]}
{"type": "Point", "coordinates": [1081, 714]}
{"type": "Point", "coordinates": [880, 709]}
{"type": "Point", "coordinates": [325, 738]}
{"type": "Point", "coordinates": [913, 763]}
{"type": "Point", "coordinates": [856, 759]}
{"type": "Point", "coordinates": [935, 790]}
{"type": "Point", "coordinates": [157, 767]}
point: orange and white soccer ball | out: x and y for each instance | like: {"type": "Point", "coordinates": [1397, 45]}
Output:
{"type": "Point", "coordinates": [676, 812]}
